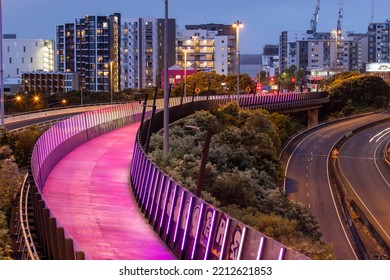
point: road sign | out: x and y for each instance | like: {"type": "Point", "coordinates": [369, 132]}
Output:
{"type": "Point", "coordinates": [335, 153]}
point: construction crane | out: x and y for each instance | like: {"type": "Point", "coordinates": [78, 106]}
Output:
{"type": "Point", "coordinates": [372, 11]}
{"type": "Point", "coordinates": [314, 20]}
{"type": "Point", "coordinates": [340, 20]}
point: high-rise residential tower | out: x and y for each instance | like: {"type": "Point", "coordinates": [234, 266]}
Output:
{"type": "Point", "coordinates": [142, 51]}
{"type": "Point", "coordinates": [91, 47]}
{"type": "Point", "coordinates": [208, 47]}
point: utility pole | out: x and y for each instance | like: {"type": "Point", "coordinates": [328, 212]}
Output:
{"type": "Point", "coordinates": [166, 86]}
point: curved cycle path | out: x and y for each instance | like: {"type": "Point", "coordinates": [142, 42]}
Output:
{"type": "Point", "coordinates": [89, 193]}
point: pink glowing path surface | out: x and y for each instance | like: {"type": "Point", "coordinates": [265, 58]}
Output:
{"type": "Point", "coordinates": [90, 195]}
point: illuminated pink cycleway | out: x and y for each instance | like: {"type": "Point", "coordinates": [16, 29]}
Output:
{"type": "Point", "coordinates": [89, 194]}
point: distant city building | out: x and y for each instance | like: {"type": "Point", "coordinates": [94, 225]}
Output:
{"type": "Point", "coordinates": [270, 60]}
{"type": "Point", "coordinates": [12, 85]}
{"type": "Point", "coordinates": [142, 51]}
{"type": "Point", "coordinates": [359, 51]}
{"type": "Point", "coordinates": [288, 47]}
{"type": "Point", "coordinates": [176, 74]}
{"type": "Point", "coordinates": [379, 42]}
{"type": "Point", "coordinates": [52, 82]}
{"type": "Point", "coordinates": [208, 47]}
{"type": "Point", "coordinates": [323, 50]}
{"type": "Point", "coordinates": [91, 47]}
{"type": "Point", "coordinates": [21, 55]}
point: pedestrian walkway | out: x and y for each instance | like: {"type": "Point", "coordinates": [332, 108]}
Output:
{"type": "Point", "coordinates": [89, 194]}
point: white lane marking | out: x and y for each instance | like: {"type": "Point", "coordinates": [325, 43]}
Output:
{"type": "Point", "coordinates": [378, 134]}
{"type": "Point", "coordinates": [307, 194]}
{"type": "Point", "coordinates": [327, 172]}
{"type": "Point", "coordinates": [335, 206]}
{"type": "Point", "coordinates": [376, 164]}
{"type": "Point", "coordinates": [382, 136]}
{"type": "Point", "coordinates": [365, 206]}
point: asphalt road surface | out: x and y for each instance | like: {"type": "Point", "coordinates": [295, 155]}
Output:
{"type": "Point", "coordinates": [362, 163]}
{"type": "Point", "coordinates": [307, 180]}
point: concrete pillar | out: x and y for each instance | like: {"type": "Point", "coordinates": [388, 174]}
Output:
{"type": "Point", "coordinates": [312, 117]}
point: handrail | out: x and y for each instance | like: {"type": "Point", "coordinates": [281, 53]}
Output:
{"type": "Point", "coordinates": [23, 218]}
{"type": "Point", "coordinates": [61, 108]}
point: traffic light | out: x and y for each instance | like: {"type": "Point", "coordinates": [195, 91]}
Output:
{"type": "Point", "coordinates": [272, 79]}
{"type": "Point", "coordinates": [293, 79]}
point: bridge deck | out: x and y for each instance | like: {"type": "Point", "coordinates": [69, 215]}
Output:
{"type": "Point", "coordinates": [89, 194]}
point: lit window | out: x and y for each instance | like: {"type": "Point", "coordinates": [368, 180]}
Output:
{"type": "Point", "coordinates": [178, 77]}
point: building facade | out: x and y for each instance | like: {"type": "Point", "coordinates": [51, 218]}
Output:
{"type": "Point", "coordinates": [210, 47]}
{"type": "Point", "coordinates": [379, 42]}
{"type": "Point", "coordinates": [52, 82]}
{"type": "Point", "coordinates": [91, 47]}
{"type": "Point", "coordinates": [22, 55]}
{"type": "Point", "coordinates": [142, 51]}
{"type": "Point", "coordinates": [324, 50]}
{"type": "Point", "coordinates": [270, 60]}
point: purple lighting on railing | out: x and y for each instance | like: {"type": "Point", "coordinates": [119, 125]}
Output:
{"type": "Point", "coordinates": [224, 241]}
{"type": "Point", "coordinates": [241, 243]}
{"type": "Point", "coordinates": [199, 226]}
{"type": "Point", "coordinates": [179, 216]}
{"type": "Point", "coordinates": [187, 223]}
{"type": "Point", "coordinates": [171, 210]}
{"type": "Point", "coordinates": [261, 248]}
{"type": "Point", "coordinates": [282, 252]}
{"type": "Point", "coordinates": [210, 237]}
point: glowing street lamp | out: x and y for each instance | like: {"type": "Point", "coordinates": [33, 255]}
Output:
{"type": "Point", "coordinates": [237, 25]}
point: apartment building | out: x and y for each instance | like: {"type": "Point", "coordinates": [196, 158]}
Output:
{"type": "Point", "coordinates": [23, 55]}
{"type": "Point", "coordinates": [43, 81]}
{"type": "Point", "coordinates": [91, 47]}
{"type": "Point", "coordinates": [142, 51]}
{"type": "Point", "coordinates": [324, 50]}
{"type": "Point", "coordinates": [379, 42]}
{"type": "Point", "coordinates": [210, 47]}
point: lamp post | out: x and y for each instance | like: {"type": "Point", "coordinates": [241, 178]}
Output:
{"type": "Point", "coordinates": [185, 72]}
{"type": "Point", "coordinates": [237, 25]}
{"type": "Point", "coordinates": [1, 65]}
{"type": "Point", "coordinates": [111, 82]}
{"type": "Point", "coordinates": [166, 85]}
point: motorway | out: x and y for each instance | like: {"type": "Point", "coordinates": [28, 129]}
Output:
{"type": "Point", "coordinates": [362, 163]}
{"type": "Point", "coordinates": [307, 180]}
{"type": "Point", "coordinates": [28, 122]}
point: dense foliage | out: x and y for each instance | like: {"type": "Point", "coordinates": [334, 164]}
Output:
{"type": "Point", "coordinates": [14, 150]}
{"type": "Point", "coordinates": [242, 172]}
{"type": "Point", "coordinates": [213, 83]}
{"type": "Point", "coordinates": [352, 93]}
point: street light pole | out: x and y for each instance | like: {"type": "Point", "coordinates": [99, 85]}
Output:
{"type": "Point", "coordinates": [111, 82]}
{"type": "Point", "coordinates": [166, 86]}
{"type": "Point", "coordinates": [1, 65]}
{"type": "Point", "coordinates": [238, 25]}
{"type": "Point", "coordinates": [185, 72]}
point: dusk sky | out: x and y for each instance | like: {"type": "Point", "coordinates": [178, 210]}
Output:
{"type": "Point", "coordinates": [263, 20]}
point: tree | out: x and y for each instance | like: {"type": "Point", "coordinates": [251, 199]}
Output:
{"type": "Point", "coordinates": [5, 240]}
{"type": "Point", "coordinates": [9, 183]}
{"type": "Point", "coordinates": [357, 92]}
